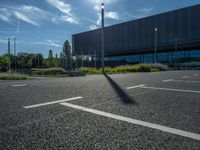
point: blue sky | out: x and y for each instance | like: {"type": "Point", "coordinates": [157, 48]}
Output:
{"type": "Point", "coordinates": [40, 25]}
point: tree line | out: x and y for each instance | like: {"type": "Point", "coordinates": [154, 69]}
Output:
{"type": "Point", "coordinates": [27, 60]}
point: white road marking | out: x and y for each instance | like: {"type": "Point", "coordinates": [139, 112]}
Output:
{"type": "Point", "coordinates": [195, 75]}
{"type": "Point", "coordinates": [169, 89]}
{"type": "Point", "coordinates": [137, 122]}
{"type": "Point", "coordinates": [185, 81]}
{"type": "Point", "coordinates": [52, 102]}
{"type": "Point", "coordinates": [184, 77]}
{"type": "Point", "coordinates": [18, 85]}
{"type": "Point", "coordinates": [168, 80]}
{"type": "Point", "coordinates": [158, 88]}
{"type": "Point", "coordinates": [137, 86]}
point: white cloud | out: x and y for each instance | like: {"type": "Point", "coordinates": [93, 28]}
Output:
{"type": "Point", "coordinates": [61, 5]}
{"type": "Point", "coordinates": [27, 13]}
{"type": "Point", "coordinates": [108, 14]}
{"type": "Point", "coordinates": [47, 43]}
{"type": "Point", "coordinates": [93, 27]}
{"type": "Point", "coordinates": [5, 15]}
{"type": "Point", "coordinates": [139, 13]}
{"type": "Point", "coordinates": [145, 10]}
{"type": "Point", "coordinates": [25, 18]}
{"type": "Point", "coordinates": [3, 41]}
{"type": "Point", "coordinates": [112, 15]}
{"type": "Point", "coordinates": [4, 18]}
{"type": "Point", "coordinates": [98, 2]}
{"type": "Point", "coordinates": [66, 9]}
{"type": "Point", "coordinates": [98, 22]}
{"type": "Point", "coordinates": [68, 19]}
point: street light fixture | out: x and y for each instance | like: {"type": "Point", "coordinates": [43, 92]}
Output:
{"type": "Point", "coordinates": [155, 53]}
{"type": "Point", "coordinates": [102, 36]}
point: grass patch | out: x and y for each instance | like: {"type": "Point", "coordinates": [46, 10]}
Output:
{"type": "Point", "coordinates": [12, 77]}
{"type": "Point", "coordinates": [49, 71]}
{"type": "Point", "coordinates": [126, 69]}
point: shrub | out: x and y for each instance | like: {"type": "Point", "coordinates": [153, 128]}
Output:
{"type": "Point", "coordinates": [128, 68]}
{"type": "Point", "coordinates": [160, 67]}
{"type": "Point", "coordinates": [50, 71]}
{"type": "Point", "coordinates": [154, 70]}
{"type": "Point", "coordinates": [12, 77]}
{"type": "Point", "coordinates": [143, 68]}
{"type": "Point", "coordinates": [90, 70]}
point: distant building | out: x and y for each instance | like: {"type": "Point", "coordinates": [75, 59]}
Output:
{"type": "Point", "coordinates": [177, 39]}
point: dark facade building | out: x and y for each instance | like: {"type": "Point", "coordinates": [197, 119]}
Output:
{"type": "Point", "coordinates": [177, 39]}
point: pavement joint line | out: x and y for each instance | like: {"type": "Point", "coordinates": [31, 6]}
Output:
{"type": "Point", "coordinates": [18, 85]}
{"type": "Point", "coordinates": [168, 80]}
{"type": "Point", "coordinates": [136, 122]}
{"type": "Point", "coordinates": [136, 86]}
{"type": "Point", "coordinates": [52, 102]}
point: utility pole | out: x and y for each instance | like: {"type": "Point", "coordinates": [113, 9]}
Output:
{"type": "Point", "coordinates": [102, 36]}
{"type": "Point", "coordinates": [155, 53]}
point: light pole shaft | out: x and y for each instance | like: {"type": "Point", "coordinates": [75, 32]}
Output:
{"type": "Point", "coordinates": [155, 54]}
{"type": "Point", "coordinates": [102, 36]}
{"type": "Point", "coordinates": [9, 54]}
{"type": "Point", "coordinates": [175, 50]}
{"type": "Point", "coordinates": [15, 54]}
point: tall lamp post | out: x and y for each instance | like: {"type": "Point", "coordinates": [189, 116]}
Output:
{"type": "Point", "coordinates": [155, 53]}
{"type": "Point", "coordinates": [175, 50]}
{"type": "Point", "coordinates": [15, 53]}
{"type": "Point", "coordinates": [9, 65]}
{"type": "Point", "coordinates": [102, 36]}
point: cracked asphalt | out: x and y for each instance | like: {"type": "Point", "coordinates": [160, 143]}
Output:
{"type": "Point", "coordinates": [59, 127]}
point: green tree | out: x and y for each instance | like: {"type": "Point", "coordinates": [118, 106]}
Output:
{"type": "Point", "coordinates": [4, 61]}
{"type": "Point", "coordinates": [66, 54]}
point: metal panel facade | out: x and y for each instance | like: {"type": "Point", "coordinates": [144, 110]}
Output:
{"type": "Point", "coordinates": [137, 36]}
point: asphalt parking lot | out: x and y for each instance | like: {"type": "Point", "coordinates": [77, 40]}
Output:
{"type": "Point", "coordinates": [159, 110]}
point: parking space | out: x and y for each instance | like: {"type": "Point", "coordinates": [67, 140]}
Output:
{"type": "Point", "coordinates": [142, 111]}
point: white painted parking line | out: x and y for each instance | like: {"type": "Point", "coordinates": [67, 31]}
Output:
{"type": "Point", "coordinates": [165, 89]}
{"type": "Point", "coordinates": [18, 85]}
{"type": "Point", "coordinates": [137, 122]}
{"type": "Point", "coordinates": [137, 86]}
{"type": "Point", "coordinates": [169, 89]}
{"type": "Point", "coordinates": [194, 77]}
{"type": "Point", "coordinates": [185, 81]}
{"type": "Point", "coordinates": [52, 102]}
{"type": "Point", "coordinates": [184, 77]}
{"type": "Point", "coordinates": [168, 80]}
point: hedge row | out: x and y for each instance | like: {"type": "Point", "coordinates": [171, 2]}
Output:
{"type": "Point", "coordinates": [50, 71]}
{"type": "Point", "coordinates": [12, 77]}
{"type": "Point", "coordinates": [128, 68]}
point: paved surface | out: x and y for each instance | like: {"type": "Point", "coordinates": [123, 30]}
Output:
{"type": "Point", "coordinates": [55, 126]}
